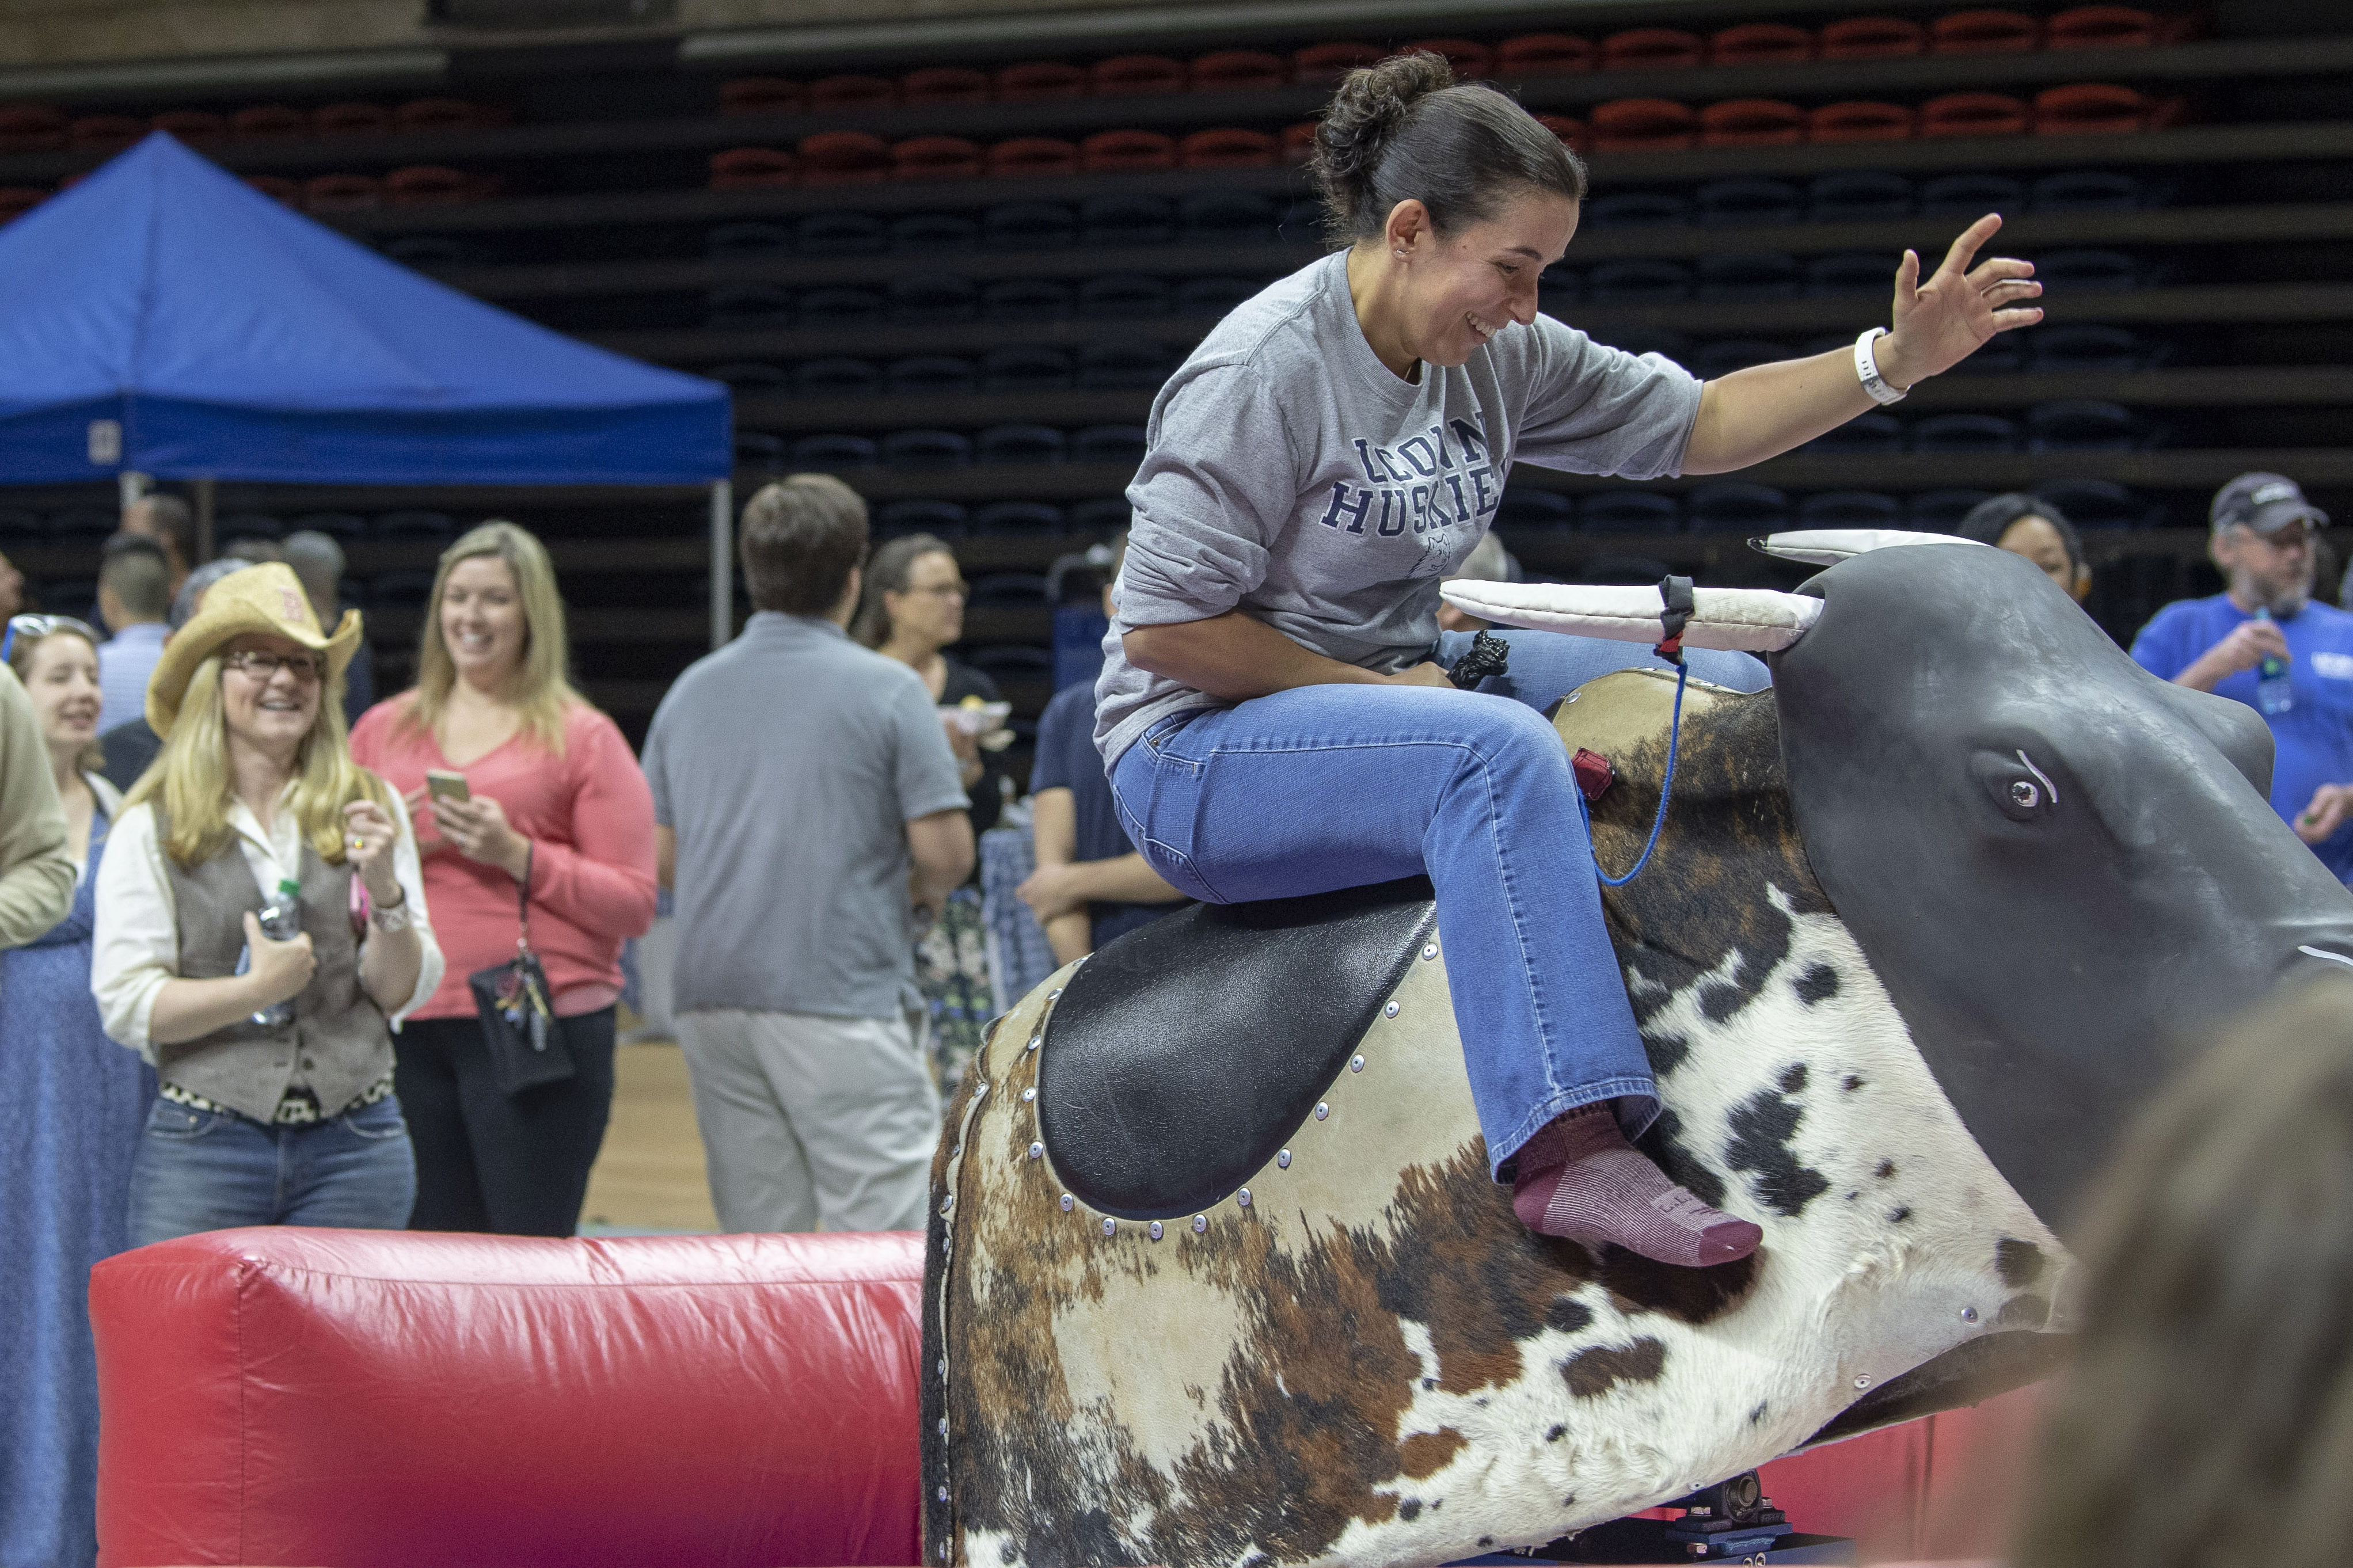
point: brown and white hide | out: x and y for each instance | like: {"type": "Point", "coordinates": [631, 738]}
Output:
{"type": "Point", "coordinates": [1371, 1361]}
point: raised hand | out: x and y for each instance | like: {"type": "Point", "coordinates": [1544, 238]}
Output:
{"type": "Point", "coordinates": [368, 835]}
{"type": "Point", "coordinates": [1942, 322]}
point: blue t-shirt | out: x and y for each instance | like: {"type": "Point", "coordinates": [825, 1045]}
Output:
{"type": "Point", "coordinates": [1067, 759]}
{"type": "Point", "coordinates": [2312, 742]}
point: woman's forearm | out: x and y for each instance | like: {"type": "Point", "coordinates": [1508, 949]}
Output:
{"type": "Point", "coordinates": [1767, 409]}
{"type": "Point", "coordinates": [389, 965]}
{"type": "Point", "coordinates": [1233, 657]}
{"type": "Point", "coordinates": [190, 1009]}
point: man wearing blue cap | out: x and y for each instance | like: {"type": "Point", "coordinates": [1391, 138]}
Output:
{"type": "Point", "coordinates": [2263, 642]}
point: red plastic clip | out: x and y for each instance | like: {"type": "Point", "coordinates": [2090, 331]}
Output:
{"type": "Point", "coordinates": [1594, 773]}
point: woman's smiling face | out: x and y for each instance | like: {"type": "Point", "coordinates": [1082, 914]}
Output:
{"type": "Point", "coordinates": [61, 677]}
{"type": "Point", "coordinates": [1462, 288]}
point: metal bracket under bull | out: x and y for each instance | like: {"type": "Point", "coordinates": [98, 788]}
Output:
{"type": "Point", "coordinates": [1676, 605]}
{"type": "Point", "coordinates": [1731, 1521]}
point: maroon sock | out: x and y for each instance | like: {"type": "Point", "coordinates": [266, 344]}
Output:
{"type": "Point", "coordinates": [1579, 1178]}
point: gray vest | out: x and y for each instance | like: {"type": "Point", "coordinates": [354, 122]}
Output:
{"type": "Point", "coordinates": [338, 1044]}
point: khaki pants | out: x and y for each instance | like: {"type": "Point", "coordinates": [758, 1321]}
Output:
{"type": "Point", "coordinates": [811, 1122]}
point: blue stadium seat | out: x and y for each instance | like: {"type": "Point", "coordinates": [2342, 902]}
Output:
{"type": "Point", "coordinates": [339, 525]}
{"type": "Point", "coordinates": [433, 252]}
{"type": "Point", "coordinates": [1225, 218]}
{"type": "Point", "coordinates": [1660, 340]}
{"type": "Point", "coordinates": [1850, 272]}
{"type": "Point", "coordinates": [1630, 511]}
{"type": "Point", "coordinates": [1104, 514]}
{"type": "Point", "coordinates": [236, 525]}
{"type": "Point", "coordinates": [1123, 294]}
{"type": "Point", "coordinates": [1971, 196]}
{"type": "Point", "coordinates": [1959, 435]}
{"type": "Point", "coordinates": [19, 528]}
{"type": "Point", "coordinates": [1025, 368]}
{"type": "Point", "coordinates": [840, 307]}
{"type": "Point", "coordinates": [1863, 433]}
{"type": "Point", "coordinates": [2089, 346]}
{"type": "Point", "coordinates": [1637, 210]}
{"type": "Point", "coordinates": [1850, 508]}
{"type": "Point", "coordinates": [1858, 194]}
{"type": "Point", "coordinates": [1523, 508]}
{"type": "Point", "coordinates": [1127, 220]}
{"type": "Point", "coordinates": [933, 231]}
{"type": "Point", "coordinates": [1212, 295]}
{"type": "Point", "coordinates": [836, 378]}
{"type": "Point", "coordinates": [80, 526]}
{"type": "Point", "coordinates": [1020, 444]}
{"type": "Point", "coordinates": [747, 307]}
{"type": "Point", "coordinates": [1029, 226]}
{"type": "Point", "coordinates": [1301, 223]}
{"type": "Point", "coordinates": [1125, 365]}
{"type": "Point", "coordinates": [1638, 282]}
{"type": "Point", "coordinates": [833, 451]}
{"type": "Point", "coordinates": [925, 450]}
{"type": "Point", "coordinates": [76, 596]}
{"type": "Point", "coordinates": [1735, 506]}
{"type": "Point", "coordinates": [1558, 289]}
{"type": "Point", "coordinates": [743, 240]}
{"type": "Point", "coordinates": [1019, 517]}
{"type": "Point", "coordinates": [1007, 662]}
{"type": "Point", "coordinates": [2087, 269]}
{"type": "Point", "coordinates": [752, 376]}
{"type": "Point", "coordinates": [400, 590]}
{"type": "Point", "coordinates": [1122, 444]}
{"type": "Point", "coordinates": [900, 518]}
{"type": "Point", "coordinates": [934, 375]}
{"type": "Point", "coordinates": [1025, 300]}
{"type": "Point", "coordinates": [1010, 588]}
{"type": "Point", "coordinates": [2085, 191]}
{"type": "Point", "coordinates": [1940, 511]}
{"type": "Point", "coordinates": [1721, 359]}
{"type": "Point", "coordinates": [415, 525]}
{"type": "Point", "coordinates": [932, 296]}
{"type": "Point", "coordinates": [841, 234]}
{"type": "Point", "coordinates": [2096, 503]}
{"type": "Point", "coordinates": [759, 449]}
{"type": "Point", "coordinates": [1723, 203]}
{"type": "Point", "coordinates": [1760, 275]}
{"type": "Point", "coordinates": [1998, 356]}
{"type": "Point", "coordinates": [2079, 425]}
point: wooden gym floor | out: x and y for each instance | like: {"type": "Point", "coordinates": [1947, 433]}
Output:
{"type": "Point", "coordinates": [649, 1175]}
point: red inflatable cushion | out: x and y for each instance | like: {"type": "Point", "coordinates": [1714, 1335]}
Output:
{"type": "Point", "coordinates": [380, 1399]}
{"type": "Point", "coordinates": [1873, 39]}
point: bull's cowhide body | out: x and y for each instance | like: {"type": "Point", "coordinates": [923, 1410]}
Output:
{"type": "Point", "coordinates": [1373, 1363]}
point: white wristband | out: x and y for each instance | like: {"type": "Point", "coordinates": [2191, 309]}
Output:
{"type": "Point", "coordinates": [1866, 370]}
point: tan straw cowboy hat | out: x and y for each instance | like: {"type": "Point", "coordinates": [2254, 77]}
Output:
{"type": "Point", "coordinates": [268, 598]}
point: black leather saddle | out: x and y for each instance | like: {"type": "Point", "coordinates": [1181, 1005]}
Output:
{"type": "Point", "coordinates": [1183, 1055]}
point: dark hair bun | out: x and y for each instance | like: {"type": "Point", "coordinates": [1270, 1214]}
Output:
{"type": "Point", "coordinates": [1365, 113]}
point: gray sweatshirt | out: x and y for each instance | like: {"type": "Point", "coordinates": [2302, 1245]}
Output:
{"type": "Point", "coordinates": [1294, 477]}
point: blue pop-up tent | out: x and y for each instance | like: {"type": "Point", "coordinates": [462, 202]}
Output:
{"type": "Point", "coordinates": [163, 318]}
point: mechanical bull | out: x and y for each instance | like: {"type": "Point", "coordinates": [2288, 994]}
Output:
{"type": "Point", "coordinates": [1215, 1270]}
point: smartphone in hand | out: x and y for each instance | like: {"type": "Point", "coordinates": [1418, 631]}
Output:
{"type": "Point", "coordinates": [441, 784]}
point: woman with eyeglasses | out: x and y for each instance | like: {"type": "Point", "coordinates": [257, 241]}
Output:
{"type": "Point", "coordinates": [911, 609]}
{"type": "Point", "coordinates": [553, 809]}
{"type": "Point", "coordinates": [76, 1107]}
{"type": "Point", "coordinates": [275, 1052]}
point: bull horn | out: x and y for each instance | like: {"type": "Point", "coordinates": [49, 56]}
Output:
{"type": "Point", "coordinates": [1747, 620]}
{"type": "Point", "coordinates": [1829, 546]}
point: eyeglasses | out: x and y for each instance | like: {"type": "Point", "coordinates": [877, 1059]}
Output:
{"type": "Point", "coordinates": [264, 667]}
{"type": "Point", "coordinates": [39, 626]}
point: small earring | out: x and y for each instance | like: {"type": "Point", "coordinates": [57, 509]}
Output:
{"type": "Point", "coordinates": [1400, 254]}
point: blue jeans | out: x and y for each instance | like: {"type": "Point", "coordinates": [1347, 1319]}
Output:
{"type": "Point", "coordinates": [205, 1170]}
{"type": "Point", "coordinates": [1340, 786]}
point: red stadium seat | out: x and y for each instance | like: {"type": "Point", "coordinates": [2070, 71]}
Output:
{"type": "Point", "coordinates": [1235, 70]}
{"type": "Point", "coordinates": [1120, 149]}
{"type": "Point", "coordinates": [840, 94]}
{"type": "Point", "coordinates": [1037, 81]}
{"type": "Point", "coordinates": [2100, 27]}
{"type": "Point", "coordinates": [15, 201]}
{"type": "Point", "coordinates": [1299, 141]}
{"type": "Point", "coordinates": [937, 158]}
{"type": "Point", "coordinates": [844, 158]}
{"type": "Point", "coordinates": [1985, 33]}
{"type": "Point", "coordinates": [428, 184]}
{"type": "Point", "coordinates": [1752, 122]}
{"type": "Point", "coordinates": [1136, 75]}
{"type": "Point", "coordinates": [105, 132]}
{"type": "Point", "coordinates": [1974, 114]}
{"type": "Point", "coordinates": [753, 168]}
{"type": "Point", "coordinates": [342, 192]}
{"type": "Point", "coordinates": [1472, 62]}
{"type": "Point", "coordinates": [1542, 53]}
{"type": "Point", "coordinates": [31, 127]}
{"type": "Point", "coordinates": [2089, 108]}
{"type": "Point", "coordinates": [1033, 155]}
{"type": "Point", "coordinates": [944, 84]}
{"type": "Point", "coordinates": [195, 127]}
{"type": "Point", "coordinates": [1223, 147]}
{"type": "Point", "coordinates": [443, 114]}
{"type": "Point", "coordinates": [1861, 121]}
{"type": "Point", "coordinates": [1323, 65]}
{"type": "Point", "coordinates": [1760, 44]}
{"type": "Point", "coordinates": [1653, 49]}
{"type": "Point", "coordinates": [1873, 39]}
{"type": "Point", "coordinates": [760, 95]}
{"type": "Point", "coordinates": [350, 120]}
{"type": "Point", "coordinates": [268, 122]}
{"type": "Point", "coordinates": [1571, 130]}
{"type": "Point", "coordinates": [276, 188]}
{"type": "Point", "coordinates": [1643, 125]}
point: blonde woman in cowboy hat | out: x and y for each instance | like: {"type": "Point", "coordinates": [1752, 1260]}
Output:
{"type": "Point", "coordinates": [261, 1121]}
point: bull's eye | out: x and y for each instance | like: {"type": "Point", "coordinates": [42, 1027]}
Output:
{"type": "Point", "coordinates": [2025, 795]}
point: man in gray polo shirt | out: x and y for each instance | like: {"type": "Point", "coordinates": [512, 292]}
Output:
{"type": "Point", "coordinates": [808, 816]}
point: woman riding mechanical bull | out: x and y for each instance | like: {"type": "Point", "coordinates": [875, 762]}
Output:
{"type": "Point", "coordinates": [1275, 710]}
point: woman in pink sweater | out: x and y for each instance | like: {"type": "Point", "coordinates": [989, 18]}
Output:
{"type": "Point", "coordinates": [556, 800]}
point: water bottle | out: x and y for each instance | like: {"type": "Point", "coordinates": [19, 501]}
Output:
{"type": "Point", "coordinates": [2274, 692]}
{"type": "Point", "coordinates": [280, 921]}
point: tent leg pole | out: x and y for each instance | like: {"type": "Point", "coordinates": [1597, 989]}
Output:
{"type": "Point", "coordinates": [205, 518]}
{"type": "Point", "coordinates": [723, 563]}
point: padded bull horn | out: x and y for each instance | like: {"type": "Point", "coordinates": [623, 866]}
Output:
{"type": "Point", "coordinates": [1748, 620]}
{"type": "Point", "coordinates": [1829, 546]}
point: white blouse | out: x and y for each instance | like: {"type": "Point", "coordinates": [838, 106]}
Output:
{"type": "Point", "coordinates": [136, 947]}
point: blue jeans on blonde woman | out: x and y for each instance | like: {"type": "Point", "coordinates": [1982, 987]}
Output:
{"type": "Point", "coordinates": [1341, 786]}
{"type": "Point", "coordinates": [212, 1170]}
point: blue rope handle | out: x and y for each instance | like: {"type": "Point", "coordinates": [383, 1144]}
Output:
{"type": "Point", "coordinates": [1666, 785]}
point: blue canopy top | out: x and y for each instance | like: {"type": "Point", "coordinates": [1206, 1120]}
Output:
{"type": "Point", "coordinates": [164, 317]}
